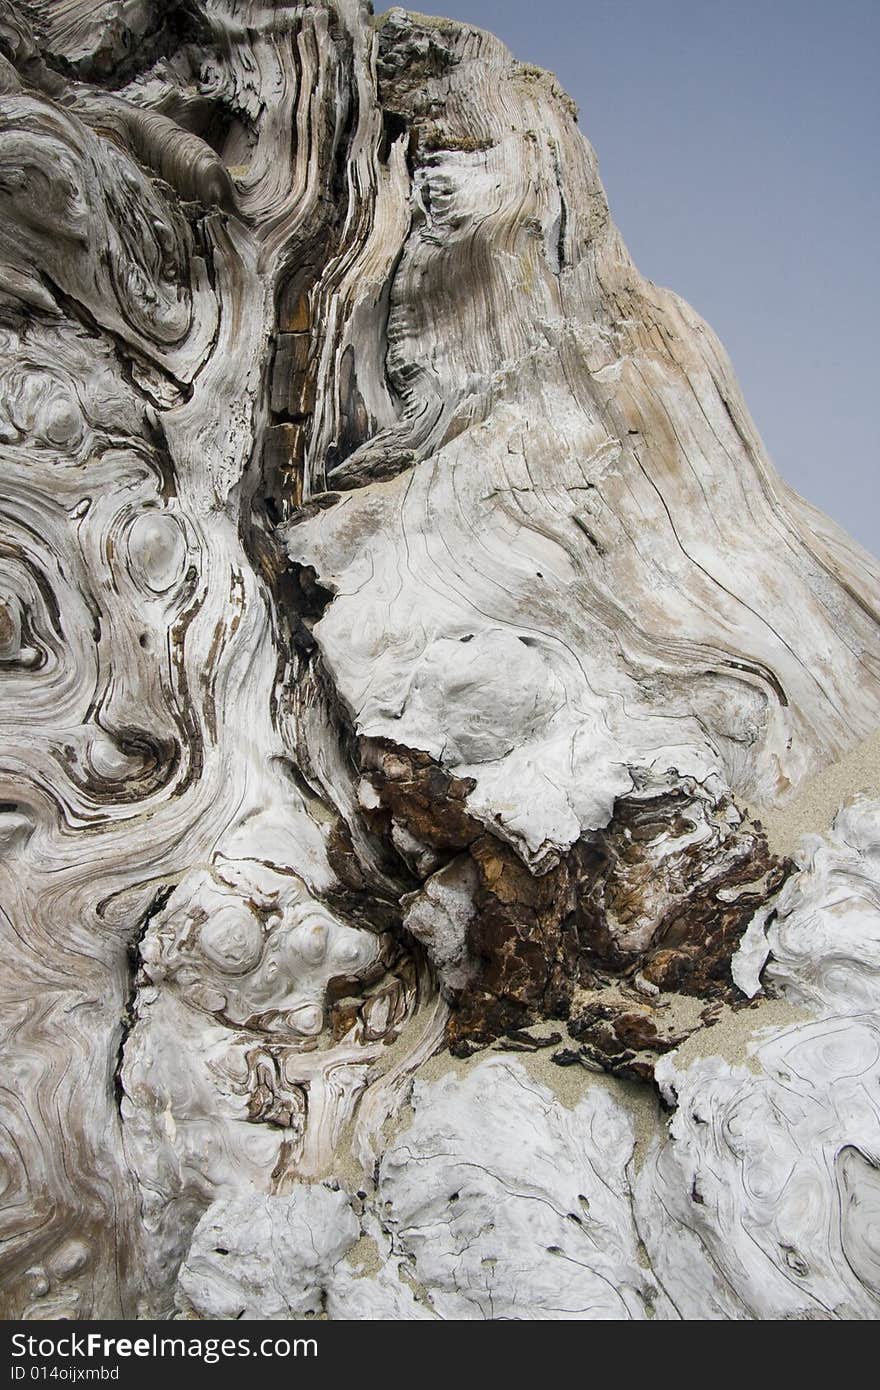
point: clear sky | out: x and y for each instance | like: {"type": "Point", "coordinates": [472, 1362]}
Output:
{"type": "Point", "coordinates": [737, 140]}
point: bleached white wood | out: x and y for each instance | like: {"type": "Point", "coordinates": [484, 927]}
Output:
{"type": "Point", "coordinates": [377, 546]}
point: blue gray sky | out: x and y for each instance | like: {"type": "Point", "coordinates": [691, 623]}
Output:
{"type": "Point", "coordinates": [737, 141]}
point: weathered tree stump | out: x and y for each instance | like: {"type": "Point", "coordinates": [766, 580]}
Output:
{"type": "Point", "coordinates": [398, 618]}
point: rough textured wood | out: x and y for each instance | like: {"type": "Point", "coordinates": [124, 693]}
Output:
{"type": "Point", "coordinates": [397, 615]}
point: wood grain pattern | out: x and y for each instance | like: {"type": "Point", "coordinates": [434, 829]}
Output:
{"type": "Point", "coordinates": [397, 613]}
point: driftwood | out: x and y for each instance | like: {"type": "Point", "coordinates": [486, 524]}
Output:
{"type": "Point", "coordinates": [398, 618]}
